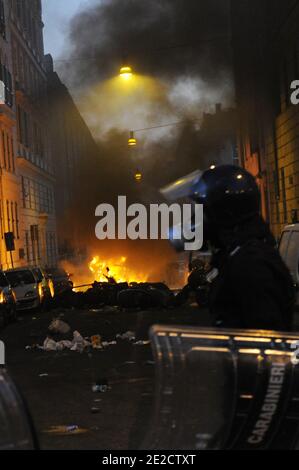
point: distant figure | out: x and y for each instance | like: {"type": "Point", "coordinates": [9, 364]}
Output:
{"type": "Point", "coordinates": [109, 278]}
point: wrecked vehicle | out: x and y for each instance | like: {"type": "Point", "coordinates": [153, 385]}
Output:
{"type": "Point", "coordinates": [61, 280]}
{"type": "Point", "coordinates": [146, 295]}
{"type": "Point", "coordinates": [47, 286]}
{"type": "Point", "coordinates": [27, 290]}
{"type": "Point", "coordinates": [8, 307]}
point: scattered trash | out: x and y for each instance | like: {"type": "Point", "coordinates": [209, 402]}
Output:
{"type": "Point", "coordinates": [105, 344]}
{"type": "Point", "coordinates": [101, 386]}
{"type": "Point", "coordinates": [96, 342]}
{"type": "Point", "coordinates": [61, 345]}
{"type": "Point", "coordinates": [141, 343]}
{"type": "Point", "coordinates": [59, 326]}
{"type": "Point", "coordinates": [33, 346]}
{"type": "Point", "coordinates": [34, 318]}
{"type": "Point", "coordinates": [129, 335]}
{"type": "Point", "coordinates": [72, 428]}
{"type": "Point", "coordinates": [44, 375]}
{"type": "Point", "coordinates": [78, 344]}
{"type": "Point", "coordinates": [65, 430]}
{"type": "Point", "coordinates": [50, 344]}
{"type": "Point", "coordinates": [98, 400]}
{"type": "Point", "coordinates": [95, 410]}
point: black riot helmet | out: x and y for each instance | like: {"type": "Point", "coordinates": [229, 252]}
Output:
{"type": "Point", "coordinates": [229, 194]}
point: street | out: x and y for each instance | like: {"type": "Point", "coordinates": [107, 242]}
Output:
{"type": "Point", "coordinates": [58, 385]}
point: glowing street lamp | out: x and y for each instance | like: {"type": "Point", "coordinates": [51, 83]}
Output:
{"type": "Point", "coordinates": [138, 176]}
{"type": "Point", "coordinates": [126, 73]}
{"type": "Point", "coordinates": [132, 142]}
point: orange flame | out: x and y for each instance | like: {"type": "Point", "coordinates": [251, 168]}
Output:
{"type": "Point", "coordinates": [116, 268]}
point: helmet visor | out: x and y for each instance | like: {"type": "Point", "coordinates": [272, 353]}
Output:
{"type": "Point", "coordinates": [183, 187]}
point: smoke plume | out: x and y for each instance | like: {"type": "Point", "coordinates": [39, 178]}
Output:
{"type": "Point", "coordinates": [180, 53]}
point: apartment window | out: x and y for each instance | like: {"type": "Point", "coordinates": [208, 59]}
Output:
{"type": "Point", "coordinates": [8, 152]}
{"type": "Point", "coordinates": [12, 154]}
{"type": "Point", "coordinates": [12, 217]}
{"type": "Point", "coordinates": [19, 9]}
{"type": "Point", "coordinates": [37, 197]}
{"type": "Point", "coordinates": [8, 216]}
{"type": "Point", "coordinates": [284, 196]}
{"type": "Point", "coordinates": [27, 247]}
{"type": "Point", "coordinates": [2, 20]}
{"type": "Point", "coordinates": [51, 248]}
{"type": "Point", "coordinates": [34, 235]}
{"type": "Point", "coordinates": [17, 220]}
{"type": "Point", "coordinates": [6, 78]}
{"type": "Point", "coordinates": [23, 127]}
{"type": "Point", "coordinates": [4, 149]}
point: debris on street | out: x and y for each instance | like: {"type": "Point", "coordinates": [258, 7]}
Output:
{"type": "Point", "coordinates": [96, 342]}
{"type": "Point", "coordinates": [64, 430]}
{"type": "Point", "coordinates": [59, 326]}
{"type": "Point", "coordinates": [129, 336]}
{"type": "Point", "coordinates": [77, 344]}
{"type": "Point", "coordinates": [141, 343]}
{"type": "Point", "coordinates": [95, 410]}
{"type": "Point", "coordinates": [101, 386]}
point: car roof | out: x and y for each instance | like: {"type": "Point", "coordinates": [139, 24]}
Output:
{"type": "Point", "coordinates": [291, 227]}
{"type": "Point", "coordinates": [16, 270]}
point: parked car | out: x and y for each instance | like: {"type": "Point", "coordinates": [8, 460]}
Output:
{"type": "Point", "coordinates": [289, 251]}
{"type": "Point", "coordinates": [27, 290]}
{"type": "Point", "coordinates": [8, 309]}
{"type": "Point", "coordinates": [46, 284]}
{"type": "Point", "coordinates": [61, 280]}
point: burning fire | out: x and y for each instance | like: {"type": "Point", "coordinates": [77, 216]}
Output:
{"type": "Point", "coordinates": [115, 268]}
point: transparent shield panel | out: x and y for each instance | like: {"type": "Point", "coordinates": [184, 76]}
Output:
{"type": "Point", "coordinates": [16, 431]}
{"type": "Point", "coordinates": [224, 389]}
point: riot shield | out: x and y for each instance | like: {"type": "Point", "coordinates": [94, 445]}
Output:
{"type": "Point", "coordinates": [224, 389]}
{"type": "Point", "coordinates": [16, 428]}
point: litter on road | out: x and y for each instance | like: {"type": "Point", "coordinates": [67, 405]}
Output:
{"type": "Point", "coordinates": [129, 336]}
{"type": "Point", "coordinates": [59, 326]}
{"type": "Point", "coordinates": [77, 344]}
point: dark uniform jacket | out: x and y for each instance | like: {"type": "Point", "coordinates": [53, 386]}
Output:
{"type": "Point", "coordinates": [253, 288]}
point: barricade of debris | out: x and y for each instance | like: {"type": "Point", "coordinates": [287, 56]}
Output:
{"type": "Point", "coordinates": [123, 295]}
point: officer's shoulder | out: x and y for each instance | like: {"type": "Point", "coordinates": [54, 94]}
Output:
{"type": "Point", "coordinates": [256, 255]}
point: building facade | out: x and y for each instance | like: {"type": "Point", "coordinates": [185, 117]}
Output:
{"type": "Point", "coordinates": [265, 38]}
{"type": "Point", "coordinates": [74, 151]}
{"type": "Point", "coordinates": [26, 178]}
{"type": "Point", "coordinates": [34, 160]}
{"type": "Point", "coordinates": [9, 180]}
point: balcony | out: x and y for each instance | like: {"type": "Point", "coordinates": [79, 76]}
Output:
{"type": "Point", "coordinates": [6, 112]}
{"type": "Point", "coordinates": [27, 159]}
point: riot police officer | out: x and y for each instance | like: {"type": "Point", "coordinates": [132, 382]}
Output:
{"type": "Point", "coordinates": [250, 286]}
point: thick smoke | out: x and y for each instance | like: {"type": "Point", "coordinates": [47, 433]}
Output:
{"type": "Point", "coordinates": [179, 49]}
{"type": "Point", "coordinates": [180, 53]}
{"type": "Point", "coordinates": [162, 38]}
